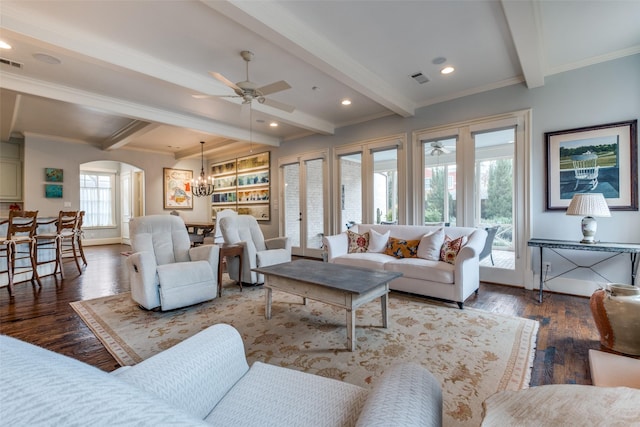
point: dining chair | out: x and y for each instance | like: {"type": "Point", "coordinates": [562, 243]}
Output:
{"type": "Point", "coordinates": [18, 245]}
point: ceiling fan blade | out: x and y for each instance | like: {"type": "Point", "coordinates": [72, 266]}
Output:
{"type": "Point", "coordinates": [279, 105]}
{"type": "Point", "coordinates": [274, 87]}
{"type": "Point", "coordinates": [224, 80]}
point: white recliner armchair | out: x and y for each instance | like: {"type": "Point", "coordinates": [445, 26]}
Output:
{"type": "Point", "coordinates": [258, 252]}
{"type": "Point", "coordinates": [164, 270]}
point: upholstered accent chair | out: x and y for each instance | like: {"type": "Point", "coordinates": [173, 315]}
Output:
{"type": "Point", "coordinates": [164, 270]}
{"type": "Point", "coordinates": [258, 252]}
{"type": "Point", "coordinates": [217, 236]}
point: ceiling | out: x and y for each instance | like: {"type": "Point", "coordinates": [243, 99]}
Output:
{"type": "Point", "coordinates": [129, 69]}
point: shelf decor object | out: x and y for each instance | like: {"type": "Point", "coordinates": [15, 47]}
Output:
{"type": "Point", "coordinates": [243, 185]}
{"type": "Point", "coordinates": [588, 205]}
{"type": "Point", "coordinates": [616, 311]}
{"type": "Point", "coordinates": [596, 159]}
{"type": "Point", "coordinates": [203, 186]}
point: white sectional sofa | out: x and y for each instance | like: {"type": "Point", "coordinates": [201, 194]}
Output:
{"type": "Point", "coordinates": [204, 380]}
{"type": "Point", "coordinates": [422, 274]}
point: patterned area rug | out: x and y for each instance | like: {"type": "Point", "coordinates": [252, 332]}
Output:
{"type": "Point", "coordinates": [473, 353]}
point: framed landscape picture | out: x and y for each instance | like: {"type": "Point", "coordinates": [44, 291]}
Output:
{"type": "Point", "coordinates": [177, 188]}
{"type": "Point", "coordinates": [597, 159]}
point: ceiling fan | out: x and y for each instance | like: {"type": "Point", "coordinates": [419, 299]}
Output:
{"type": "Point", "coordinates": [248, 90]}
{"type": "Point", "coordinates": [437, 148]}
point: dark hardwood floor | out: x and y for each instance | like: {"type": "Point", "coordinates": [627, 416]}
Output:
{"type": "Point", "coordinates": [42, 316]}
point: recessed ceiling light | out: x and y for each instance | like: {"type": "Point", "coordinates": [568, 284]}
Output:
{"type": "Point", "coordinates": [259, 121]}
{"type": "Point", "coordinates": [447, 70]}
{"type": "Point", "coordinates": [439, 60]}
{"type": "Point", "coordinates": [273, 124]}
{"type": "Point", "coordinates": [346, 102]}
{"type": "Point", "coordinates": [46, 58]}
{"type": "Point", "coordinates": [4, 45]}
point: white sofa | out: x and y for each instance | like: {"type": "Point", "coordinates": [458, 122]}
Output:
{"type": "Point", "coordinates": [205, 380]}
{"type": "Point", "coordinates": [431, 278]}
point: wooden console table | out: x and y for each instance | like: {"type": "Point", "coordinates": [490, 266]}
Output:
{"type": "Point", "coordinates": [616, 248]}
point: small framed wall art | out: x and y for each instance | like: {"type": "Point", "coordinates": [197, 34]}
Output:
{"type": "Point", "coordinates": [53, 175]}
{"type": "Point", "coordinates": [53, 191]}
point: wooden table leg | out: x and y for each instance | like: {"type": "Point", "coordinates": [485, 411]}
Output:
{"type": "Point", "coordinates": [351, 330]}
{"type": "Point", "coordinates": [220, 259]}
{"type": "Point", "coordinates": [267, 303]}
{"type": "Point", "coordinates": [384, 301]}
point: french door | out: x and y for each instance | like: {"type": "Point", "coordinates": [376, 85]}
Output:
{"type": "Point", "coordinates": [303, 202]}
{"type": "Point", "coordinates": [473, 174]}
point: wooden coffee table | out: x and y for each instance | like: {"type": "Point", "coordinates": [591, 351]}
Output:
{"type": "Point", "coordinates": [340, 285]}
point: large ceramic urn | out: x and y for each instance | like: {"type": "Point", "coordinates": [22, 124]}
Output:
{"type": "Point", "coordinates": [616, 311]}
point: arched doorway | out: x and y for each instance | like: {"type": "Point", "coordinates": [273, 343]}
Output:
{"type": "Point", "coordinates": [111, 193]}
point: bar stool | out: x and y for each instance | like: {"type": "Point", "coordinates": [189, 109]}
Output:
{"type": "Point", "coordinates": [61, 242]}
{"type": "Point", "coordinates": [79, 235]}
{"type": "Point", "coordinates": [18, 245]}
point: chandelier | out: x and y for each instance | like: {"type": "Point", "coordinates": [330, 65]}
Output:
{"type": "Point", "coordinates": [203, 186]}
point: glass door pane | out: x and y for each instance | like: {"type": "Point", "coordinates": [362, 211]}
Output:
{"type": "Point", "coordinates": [494, 154]}
{"type": "Point", "coordinates": [350, 190]}
{"type": "Point", "coordinates": [440, 180]}
{"type": "Point", "coordinates": [314, 172]}
{"type": "Point", "coordinates": [291, 203]}
{"type": "Point", "coordinates": [385, 186]}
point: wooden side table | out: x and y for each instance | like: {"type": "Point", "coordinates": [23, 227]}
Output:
{"type": "Point", "coordinates": [230, 250]}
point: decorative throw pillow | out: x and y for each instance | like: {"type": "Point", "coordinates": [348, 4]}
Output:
{"type": "Point", "coordinates": [431, 244]}
{"type": "Point", "coordinates": [377, 241]}
{"type": "Point", "coordinates": [358, 243]}
{"type": "Point", "coordinates": [401, 248]}
{"type": "Point", "coordinates": [451, 247]}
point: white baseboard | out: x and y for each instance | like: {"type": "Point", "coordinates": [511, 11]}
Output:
{"type": "Point", "coordinates": [105, 241]}
{"type": "Point", "coordinates": [579, 287]}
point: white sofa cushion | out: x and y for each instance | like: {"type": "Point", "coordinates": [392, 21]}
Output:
{"type": "Point", "coordinates": [195, 374]}
{"type": "Point", "coordinates": [42, 388]}
{"type": "Point", "coordinates": [430, 245]}
{"type": "Point", "coordinates": [423, 269]}
{"type": "Point", "coordinates": [400, 401]}
{"type": "Point", "coordinates": [271, 396]}
{"type": "Point", "coordinates": [365, 260]}
{"type": "Point", "coordinates": [186, 283]}
{"type": "Point", "coordinates": [377, 241]}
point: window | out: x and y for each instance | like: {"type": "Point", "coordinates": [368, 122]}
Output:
{"type": "Point", "coordinates": [369, 189]}
{"type": "Point", "coordinates": [97, 198]}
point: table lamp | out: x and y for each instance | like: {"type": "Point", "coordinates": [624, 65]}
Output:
{"type": "Point", "coordinates": [588, 205]}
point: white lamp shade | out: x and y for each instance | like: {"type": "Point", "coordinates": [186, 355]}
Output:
{"type": "Point", "coordinates": [588, 204]}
